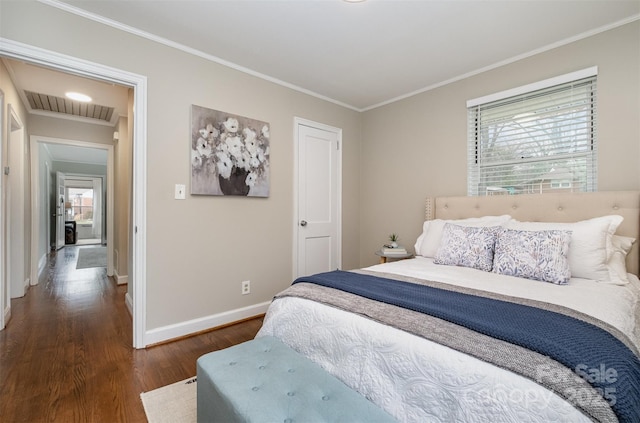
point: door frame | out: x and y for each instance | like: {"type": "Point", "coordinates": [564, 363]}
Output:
{"type": "Point", "coordinates": [297, 122]}
{"type": "Point", "coordinates": [4, 308]}
{"type": "Point", "coordinates": [15, 124]}
{"type": "Point", "coordinates": [81, 67]}
{"type": "Point", "coordinates": [36, 195]}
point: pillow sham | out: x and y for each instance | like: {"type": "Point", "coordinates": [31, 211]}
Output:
{"type": "Point", "coordinates": [590, 243]}
{"type": "Point", "coordinates": [538, 255]}
{"type": "Point", "coordinates": [418, 244]}
{"type": "Point", "coordinates": [621, 245]}
{"type": "Point", "coordinates": [467, 246]}
{"type": "Point", "coordinates": [432, 231]}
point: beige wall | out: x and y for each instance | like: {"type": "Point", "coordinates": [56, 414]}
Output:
{"type": "Point", "coordinates": [199, 250]}
{"type": "Point", "coordinates": [12, 99]}
{"type": "Point", "coordinates": [418, 147]}
{"type": "Point", "coordinates": [70, 130]}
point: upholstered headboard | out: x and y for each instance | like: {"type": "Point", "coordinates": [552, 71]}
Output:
{"type": "Point", "coordinates": [555, 207]}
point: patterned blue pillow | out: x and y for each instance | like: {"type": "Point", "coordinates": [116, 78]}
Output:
{"type": "Point", "coordinates": [538, 255]}
{"type": "Point", "coordinates": [467, 246]}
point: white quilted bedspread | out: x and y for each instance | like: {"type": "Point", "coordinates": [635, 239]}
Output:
{"type": "Point", "coordinates": [414, 379]}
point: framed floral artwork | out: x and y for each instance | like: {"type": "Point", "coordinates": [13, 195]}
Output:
{"type": "Point", "coordinates": [229, 154]}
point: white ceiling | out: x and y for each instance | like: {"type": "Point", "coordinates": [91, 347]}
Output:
{"type": "Point", "coordinates": [363, 54]}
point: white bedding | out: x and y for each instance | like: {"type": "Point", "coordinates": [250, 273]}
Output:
{"type": "Point", "coordinates": [417, 380]}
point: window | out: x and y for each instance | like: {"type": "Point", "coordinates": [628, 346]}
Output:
{"type": "Point", "coordinates": [81, 202]}
{"type": "Point", "coordinates": [534, 139]}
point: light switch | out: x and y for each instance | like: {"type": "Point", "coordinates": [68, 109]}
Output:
{"type": "Point", "coordinates": [180, 192]}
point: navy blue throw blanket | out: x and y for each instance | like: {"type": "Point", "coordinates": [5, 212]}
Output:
{"type": "Point", "coordinates": [593, 353]}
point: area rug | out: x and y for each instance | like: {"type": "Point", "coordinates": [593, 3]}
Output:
{"type": "Point", "coordinates": [92, 257]}
{"type": "Point", "coordinates": [175, 403]}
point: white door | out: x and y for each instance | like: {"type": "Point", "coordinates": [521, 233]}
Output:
{"type": "Point", "coordinates": [318, 193]}
{"type": "Point", "coordinates": [60, 211]}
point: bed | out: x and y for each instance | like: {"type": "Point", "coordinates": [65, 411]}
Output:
{"type": "Point", "coordinates": [516, 308]}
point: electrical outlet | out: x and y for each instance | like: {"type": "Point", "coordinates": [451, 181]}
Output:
{"type": "Point", "coordinates": [246, 287]}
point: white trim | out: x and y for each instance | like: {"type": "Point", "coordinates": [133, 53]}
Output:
{"type": "Point", "coordinates": [535, 86]}
{"type": "Point", "coordinates": [68, 64]}
{"type": "Point", "coordinates": [43, 261]}
{"type": "Point", "coordinates": [120, 279]}
{"type": "Point", "coordinates": [190, 327]}
{"type": "Point", "coordinates": [7, 313]}
{"type": "Point", "coordinates": [189, 50]}
{"type": "Point", "coordinates": [297, 122]}
{"type": "Point", "coordinates": [129, 303]}
{"type": "Point", "coordinates": [3, 310]}
{"type": "Point", "coordinates": [12, 116]}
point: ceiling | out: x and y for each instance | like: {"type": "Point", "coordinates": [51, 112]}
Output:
{"type": "Point", "coordinates": [43, 92]}
{"type": "Point", "coordinates": [360, 55]}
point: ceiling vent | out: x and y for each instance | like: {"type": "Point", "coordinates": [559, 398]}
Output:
{"type": "Point", "coordinates": [50, 103]}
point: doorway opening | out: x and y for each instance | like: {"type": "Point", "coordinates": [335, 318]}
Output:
{"type": "Point", "coordinates": [137, 244]}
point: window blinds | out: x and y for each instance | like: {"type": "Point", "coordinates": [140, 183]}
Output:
{"type": "Point", "coordinates": [533, 142]}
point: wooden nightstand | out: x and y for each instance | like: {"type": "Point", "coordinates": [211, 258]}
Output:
{"type": "Point", "coordinates": [384, 257]}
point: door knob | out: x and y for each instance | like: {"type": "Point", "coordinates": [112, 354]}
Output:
{"type": "Point", "coordinates": [303, 223]}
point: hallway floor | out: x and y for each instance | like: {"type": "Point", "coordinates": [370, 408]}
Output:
{"type": "Point", "coordinates": [66, 353]}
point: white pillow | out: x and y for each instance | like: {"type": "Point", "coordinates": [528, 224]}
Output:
{"type": "Point", "coordinates": [418, 244]}
{"type": "Point", "coordinates": [591, 245]}
{"type": "Point", "coordinates": [432, 231]}
{"type": "Point", "coordinates": [617, 261]}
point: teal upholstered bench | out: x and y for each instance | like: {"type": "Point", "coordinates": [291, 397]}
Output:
{"type": "Point", "coordinates": [264, 380]}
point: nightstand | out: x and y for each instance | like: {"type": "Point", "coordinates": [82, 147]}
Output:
{"type": "Point", "coordinates": [384, 257]}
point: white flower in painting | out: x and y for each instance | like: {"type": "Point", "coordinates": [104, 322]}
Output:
{"type": "Point", "coordinates": [224, 165]}
{"type": "Point", "coordinates": [243, 161]}
{"type": "Point", "coordinates": [231, 125]}
{"type": "Point", "coordinates": [250, 140]}
{"type": "Point", "coordinates": [265, 131]}
{"type": "Point", "coordinates": [223, 148]}
{"type": "Point", "coordinates": [254, 162]}
{"type": "Point", "coordinates": [251, 179]}
{"type": "Point", "coordinates": [209, 132]}
{"type": "Point", "coordinates": [196, 159]}
{"type": "Point", "coordinates": [204, 148]}
{"type": "Point", "coordinates": [234, 145]}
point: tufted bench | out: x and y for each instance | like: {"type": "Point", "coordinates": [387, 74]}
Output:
{"type": "Point", "coordinates": [264, 380]}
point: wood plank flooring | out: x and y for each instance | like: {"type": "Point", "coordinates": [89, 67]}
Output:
{"type": "Point", "coordinates": [66, 354]}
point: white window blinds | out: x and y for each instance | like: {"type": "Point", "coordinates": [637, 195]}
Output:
{"type": "Point", "coordinates": [532, 142]}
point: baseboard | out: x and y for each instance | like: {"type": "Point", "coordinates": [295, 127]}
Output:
{"type": "Point", "coordinates": [42, 263]}
{"type": "Point", "coordinates": [120, 280]}
{"type": "Point", "coordinates": [129, 302]}
{"type": "Point", "coordinates": [7, 314]}
{"type": "Point", "coordinates": [178, 330]}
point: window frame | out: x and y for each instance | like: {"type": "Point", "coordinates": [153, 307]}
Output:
{"type": "Point", "coordinates": [479, 167]}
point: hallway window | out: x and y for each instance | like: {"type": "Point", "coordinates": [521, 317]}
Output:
{"type": "Point", "coordinates": [81, 200]}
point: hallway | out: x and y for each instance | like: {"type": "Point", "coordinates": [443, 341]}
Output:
{"type": "Point", "coordinates": [66, 353]}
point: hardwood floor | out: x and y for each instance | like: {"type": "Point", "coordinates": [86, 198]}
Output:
{"type": "Point", "coordinates": [66, 354]}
